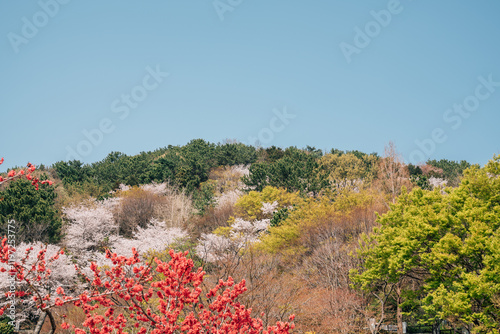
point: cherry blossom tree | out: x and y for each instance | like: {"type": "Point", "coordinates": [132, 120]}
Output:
{"type": "Point", "coordinates": [154, 238]}
{"type": "Point", "coordinates": [90, 224]}
{"type": "Point", "coordinates": [228, 198]}
{"type": "Point", "coordinates": [437, 182]}
{"type": "Point", "coordinates": [156, 188]}
{"type": "Point", "coordinates": [269, 208]}
{"type": "Point", "coordinates": [214, 247]}
{"type": "Point", "coordinates": [243, 233]}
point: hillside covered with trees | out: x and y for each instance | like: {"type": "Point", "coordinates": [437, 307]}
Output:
{"type": "Point", "coordinates": [346, 241]}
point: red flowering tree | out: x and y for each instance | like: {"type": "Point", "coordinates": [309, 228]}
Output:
{"type": "Point", "coordinates": [23, 172]}
{"type": "Point", "coordinates": [132, 296]}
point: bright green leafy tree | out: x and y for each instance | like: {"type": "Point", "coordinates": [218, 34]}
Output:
{"type": "Point", "coordinates": [436, 254]}
{"type": "Point", "coordinates": [33, 211]}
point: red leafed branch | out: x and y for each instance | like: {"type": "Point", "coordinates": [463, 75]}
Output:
{"type": "Point", "coordinates": [23, 172]}
{"type": "Point", "coordinates": [153, 297]}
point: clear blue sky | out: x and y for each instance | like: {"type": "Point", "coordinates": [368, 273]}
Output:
{"type": "Point", "coordinates": [70, 69]}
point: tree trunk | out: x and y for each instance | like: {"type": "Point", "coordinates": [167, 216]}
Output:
{"type": "Point", "coordinates": [41, 321]}
{"type": "Point", "coordinates": [435, 327]}
{"type": "Point", "coordinates": [399, 312]}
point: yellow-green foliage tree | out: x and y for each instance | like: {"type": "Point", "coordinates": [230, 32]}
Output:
{"type": "Point", "coordinates": [249, 206]}
{"type": "Point", "coordinates": [440, 250]}
{"type": "Point", "coordinates": [351, 213]}
{"type": "Point", "coordinates": [349, 171]}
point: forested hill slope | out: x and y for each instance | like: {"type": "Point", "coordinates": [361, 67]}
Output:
{"type": "Point", "coordinates": [188, 166]}
{"type": "Point", "coordinates": [337, 238]}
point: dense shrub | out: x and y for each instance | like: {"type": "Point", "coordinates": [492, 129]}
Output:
{"type": "Point", "coordinates": [36, 218]}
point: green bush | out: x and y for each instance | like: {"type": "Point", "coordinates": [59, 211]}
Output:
{"type": "Point", "coordinates": [33, 211]}
{"type": "Point", "coordinates": [5, 327]}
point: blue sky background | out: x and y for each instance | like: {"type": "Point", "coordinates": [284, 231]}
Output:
{"type": "Point", "coordinates": [227, 76]}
